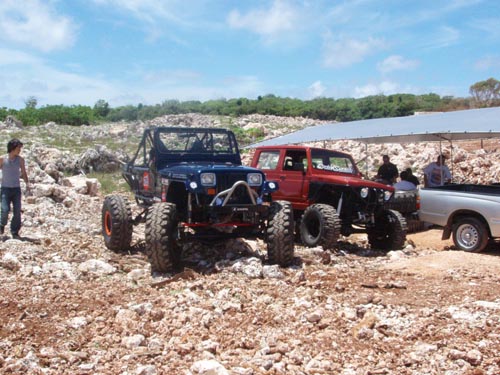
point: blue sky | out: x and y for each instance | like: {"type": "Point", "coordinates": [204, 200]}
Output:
{"type": "Point", "coordinates": [145, 51]}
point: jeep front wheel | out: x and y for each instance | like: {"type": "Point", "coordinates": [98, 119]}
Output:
{"type": "Point", "coordinates": [280, 244]}
{"type": "Point", "coordinates": [161, 247]}
{"type": "Point", "coordinates": [389, 231]}
{"type": "Point", "coordinates": [320, 226]}
{"type": "Point", "coordinates": [117, 222]}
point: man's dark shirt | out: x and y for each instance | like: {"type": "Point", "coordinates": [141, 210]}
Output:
{"type": "Point", "coordinates": [388, 172]}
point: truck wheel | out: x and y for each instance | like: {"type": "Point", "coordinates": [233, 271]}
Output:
{"type": "Point", "coordinates": [162, 249]}
{"type": "Point", "coordinates": [117, 222]}
{"type": "Point", "coordinates": [280, 245]}
{"type": "Point", "coordinates": [470, 234]}
{"type": "Point", "coordinates": [389, 232]}
{"type": "Point", "coordinates": [320, 226]}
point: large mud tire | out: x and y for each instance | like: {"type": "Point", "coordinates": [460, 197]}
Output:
{"type": "Point", "coordinates": [470, 234]}
{"type": "Point", "coordinates": [163, 251]}
{"type": "Point", "coordinates": [389, 232]}
{"type": "Point", "coordinates": [117, 225]}
{"type": "Point", "coordinates": [279, 234]}
{"type": "Point", "coordinates": [414, 225]}
{"type": "Point", "coordinates": [320, 226]}
{"type": "Point", "coordinates": [404, 201]}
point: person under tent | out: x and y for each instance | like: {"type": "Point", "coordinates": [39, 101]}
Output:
{"type": "Point", "coordinates": [404, 183]}
{"type": "Point", "coordinates": [437, 173]}
{"type": "Point", "coordinates": [387, 172]}
{"type": "Point", "coordinates": [411, 177]}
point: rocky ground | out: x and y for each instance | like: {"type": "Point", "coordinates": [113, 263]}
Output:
{"type": "Point", "coordinates": [70, 306]}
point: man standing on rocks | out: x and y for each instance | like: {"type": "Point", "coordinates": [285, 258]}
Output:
{"type": "Point", "coordinates": [13, 168]}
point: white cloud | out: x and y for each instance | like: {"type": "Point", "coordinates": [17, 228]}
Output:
{"type": "Point", "coordinates": [161, 19]}
{"type": "Point", "coordinates": [488, 62]}
{"type": "Point", "coordinates": [488, 25]}
{"type": "Point", "coordinates": [445, 36]}
{"type": "Point", "coordinates": [229, 87]}
{"type": "Point", "coordinates": [171, 77]}
{"type": "Point", "coordinates": [342, 51]}
{"type": "Point", "coordinates": [32, 76]}
{"type": "Point", "coordinates": [15, 57]}
{"type": "Point", "coordinates": [146, 10]}
{"type": "Point", "coordinates": [396, 62]}
{"type": "Point", "coordinates": [238, 86]}
{"type": "Point", "coordinates": [316, 89]}
{"type": "Point", "coordinates": [270, 23]}
{"type": "Point", "coordinates": [35, 24]}
{"type": "Point", "coordinates": [383, 88]}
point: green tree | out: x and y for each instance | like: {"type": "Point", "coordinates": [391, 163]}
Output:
{"type": "Point", "coordinates": [101, 108]}
{"type": "Point", "coordinates": [28, 116]}
{"type": "Point", "coordinates": [127, 113]}
{"type": "Point", "coordinates": [31, 102]}
{"type": "Point", "coordinates": [74, 115]}
{"type": "Point", "coordinates": [485, 93]}
{"type": "Point", "coordinates": [4, 112]}
{"type": "Point", "coordinates": [80, 115]}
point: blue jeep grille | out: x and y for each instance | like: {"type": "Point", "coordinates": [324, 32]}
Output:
{"type": "Point", "coordinates": [226, 180]}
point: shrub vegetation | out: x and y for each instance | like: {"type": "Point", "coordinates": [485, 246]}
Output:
{"type": "Point", "coordinates": [483, 94]}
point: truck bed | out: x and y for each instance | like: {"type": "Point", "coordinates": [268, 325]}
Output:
{"type": "Point", "coordinates": [443, 205]}
{"type": "Point", "coordinates": [470, 188]}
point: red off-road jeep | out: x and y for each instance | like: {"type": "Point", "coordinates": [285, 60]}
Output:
{"type": "Point", "coordinates": [329, 196]}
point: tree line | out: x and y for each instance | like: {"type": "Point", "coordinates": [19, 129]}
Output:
{"type": "Point", "coordinates": [483, 94]}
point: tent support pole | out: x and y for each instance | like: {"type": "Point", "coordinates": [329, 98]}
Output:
{"type": "Point", "coordinates": [366, 163]}
{"type": "Point", "coordinates": [451, 159]}
{"type": "Point", "coordinates": [441, 160]}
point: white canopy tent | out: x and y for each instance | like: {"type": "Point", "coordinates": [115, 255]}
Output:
{"type": "Point", "coordinates": [438, 127]}
{"type": "Point", "coordinates": [449, 126]}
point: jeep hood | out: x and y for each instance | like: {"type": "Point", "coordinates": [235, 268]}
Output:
{"type": "Point", "coordinates": [191, 168]}
{"type": "Point", "coordinates": [352, 181]}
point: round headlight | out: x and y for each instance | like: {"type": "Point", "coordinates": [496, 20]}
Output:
{"type": "Point", "coordinates": [193, 185]}
{"type": "Point", "coordinates": [364, 192]}
{"type": "Point", "coordinates": [272, 185]}
{"type": "Point", "coordinates": [387, 195]}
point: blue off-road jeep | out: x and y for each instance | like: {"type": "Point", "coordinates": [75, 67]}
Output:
{"type": "Point", "coordinates": [193, 188]}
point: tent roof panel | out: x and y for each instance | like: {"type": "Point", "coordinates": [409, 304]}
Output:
{"type": "Point", "coordinates": [468, 124]}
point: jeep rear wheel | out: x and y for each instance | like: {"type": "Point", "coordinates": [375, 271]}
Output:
{"type": "Point", "coordinates": [161, 247]}
{"type": "Point", "coordinates": [117, 223]}
{"type": "Point", "coordinates": [279, 238]}
{"type": "Point", "coordinates": [320, 226]}
{"type": "Point", "coordinates": [389, 231]}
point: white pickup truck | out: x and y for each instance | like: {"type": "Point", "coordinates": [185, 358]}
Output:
{"type": "Point", "coordinates": [470, 212]}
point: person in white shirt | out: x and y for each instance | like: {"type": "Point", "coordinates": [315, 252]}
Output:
{"type": "Point", "coordinates": [404, 184]}
{"type": "Point", "coordinates": [437, 173]}
{"type": "Point", "coordinates": [13, 169]}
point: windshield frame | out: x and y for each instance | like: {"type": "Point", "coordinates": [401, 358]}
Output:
{"type": "Point", "coordinates": [333, 161]}
{"type": "Point", "coordinates": [196, 141]}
